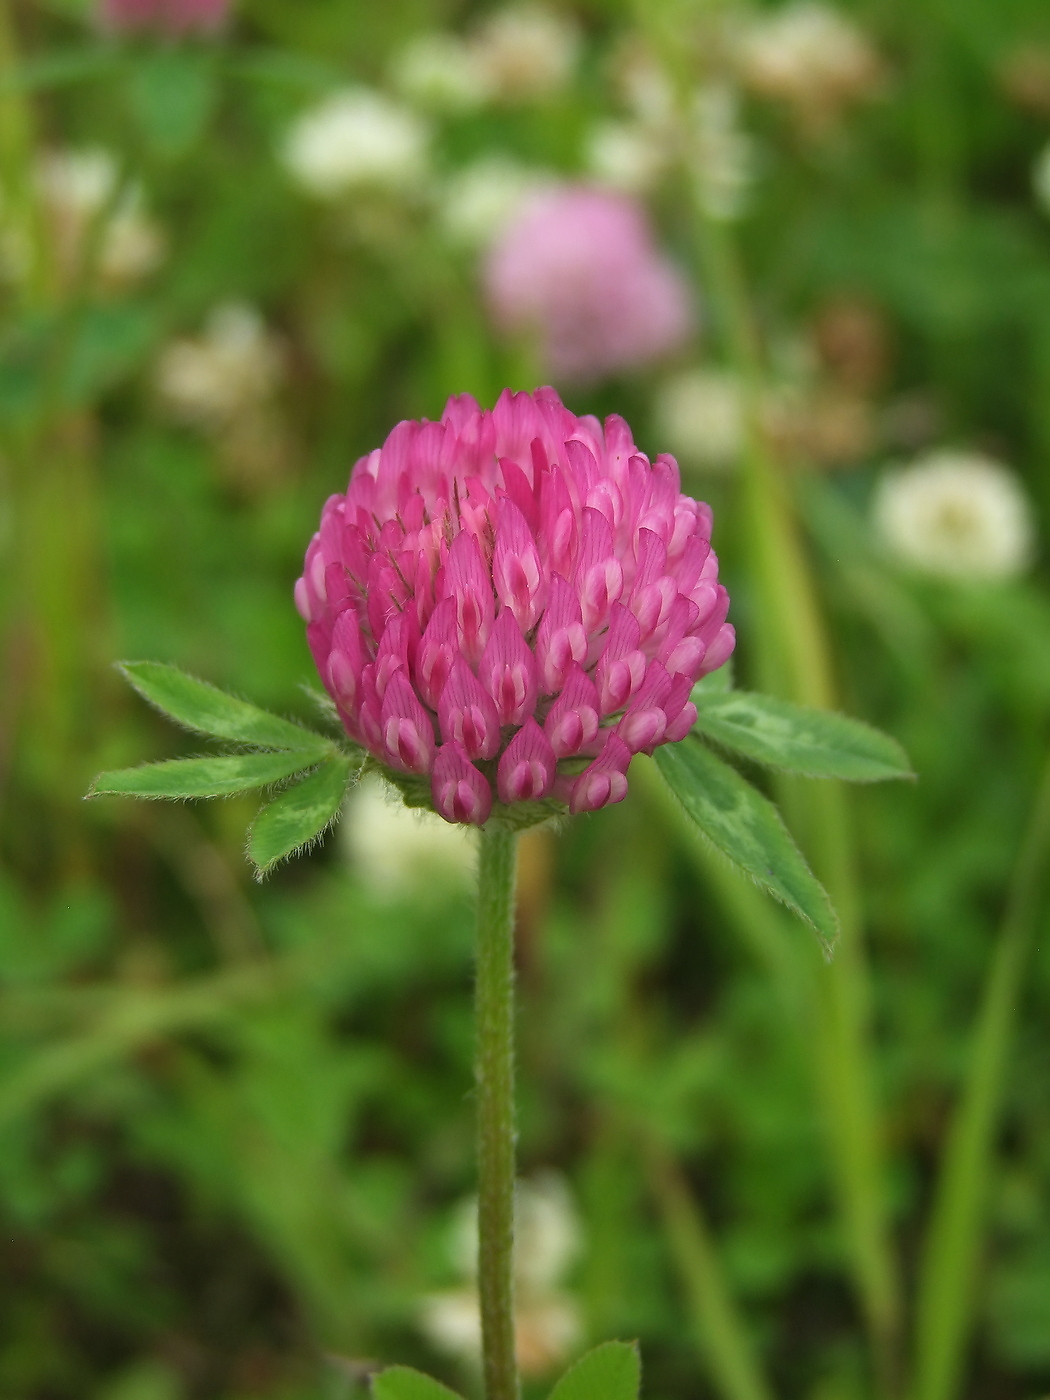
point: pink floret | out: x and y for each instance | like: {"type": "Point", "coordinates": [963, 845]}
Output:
{"type": "Point", "coordinates": [579, 271]}
{"type": "Point", "coordinates": [512, 604]}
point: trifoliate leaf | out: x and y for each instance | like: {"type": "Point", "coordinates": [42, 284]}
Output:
{"type": "Point", "coordinates": [202, 777]}
{"type": "Point", "coordinates": [299, 816]}
{"type": "Point", "coordinates": [612, 1371]}
{"type": "Point", "coordinates": [207, 710]}
{"type": "Point", "coordinates": [816, 743]}
{"type": "Point", "coordinates": [746, 827]}
{"type": "Point", "coordinates": [402, 1383]}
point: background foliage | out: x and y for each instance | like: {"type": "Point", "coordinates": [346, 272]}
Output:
{"type": "Point", "coordinates": [235, 1120]}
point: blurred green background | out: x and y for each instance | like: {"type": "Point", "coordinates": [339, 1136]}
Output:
{"type": "Point", "coordinates": [236, 1120]}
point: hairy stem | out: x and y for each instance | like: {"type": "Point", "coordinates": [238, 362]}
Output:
{"type": "Point", "coordinates": [494, 1003]}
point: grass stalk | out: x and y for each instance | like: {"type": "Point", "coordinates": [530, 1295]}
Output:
{"type": "Point", "coordinates": [732, 1367]}
{"type": "Point", "coordinates": [948, 1271]}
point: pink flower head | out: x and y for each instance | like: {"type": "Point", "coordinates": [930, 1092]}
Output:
{"type": "Point", "coordinates": [579, 269]}
{"type": "Point", "coordinates": [168, 17]}
{"type": "Point", "coordinates": [508, 606]}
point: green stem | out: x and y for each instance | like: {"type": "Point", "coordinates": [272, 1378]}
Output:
{"type": "Point", "coordinates": [494, 1003]}
{"type": "Point", "coordinates": [948, 1274]}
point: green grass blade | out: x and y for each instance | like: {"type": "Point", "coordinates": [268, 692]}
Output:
{"type": "Point", "coordinates": [733, 1369]}
{"type": "Point", "coordinates": [948, 1273]}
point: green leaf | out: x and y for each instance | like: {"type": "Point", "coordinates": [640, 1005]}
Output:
{"type": "Point", "coordinates": [107, 343]}
{"type": "Point", "coordinates": [206, 710]}
{"type": "Point", "coordinates": [612, 1371]}
{"type": "Point", "coordinates": [402, 1383]}
{"type": "Point", "coordinates": [173, 93]}
{"type": "Point", "coordinates": [299, 816]}
{"type": "Point", "coordinates": [746, 827]}
{"type": "Point", "coordinates": [202, 777]}
{"type": "Point", "coordinates": [816, 743]}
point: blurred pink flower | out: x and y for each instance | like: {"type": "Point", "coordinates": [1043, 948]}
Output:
{"type": "Point", "coordinates": [579, 269]}
{"type": "Point", "coordinates": [510, 605]}
{"type": "Point", "coordinates": [170, 17]}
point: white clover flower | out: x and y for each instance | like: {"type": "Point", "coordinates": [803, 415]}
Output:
{"type": "Point", "coordinates": [626, 155]}
{"type": "Point", "coordinates": [547, 1240]}
{"type": "Point", "coordinates": [1041, 179]}
{"type": "Point", "coordinates": [356, 137]}
{"type": "Point", "coordinates": [809, 54]}
{"type": "Point", "coordinates": [399, 851]}
{"type": "Point", "coordinates": [132, 244]}
{"type": "Point", "coordinates": [647, 89]}
{"type": "Point", "coordinates": [956, 515]}
{"type": "Point", "coordinates": [720, 155]}
{"type": "Point", "coordinates": [441, 71]}
{"type": "Point", "coordinates": [699, 414]}
{"type": "Point", "coordinates": [234, 367]}
{"type": "Point", "coordinates": [78, 181]}
{"type": "Point", "coordinates": [526, 51]}
{"type": "Point", "coordinates": [479, 201]}
{"type": "Point", "coordinates": [76, 188]}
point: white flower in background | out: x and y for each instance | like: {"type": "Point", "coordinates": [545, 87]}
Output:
{"type": "Point", "coordinates": [547, 1321]}
{"type": "Point", "coordinates": [626, 155]}
{"type": "Point", "coordinates": [478, 202]}
{"type": "Point", "coordinates": [356, 137]}
{"type": "Point", "coordinates": [228, 371]}
{"type": "Point", "coordinates": [699, 415]}
{"type": "Point", "coordinates": [809, 54]}
{"type": "Point", "coordinates": [397, 850]}
{"type": "Point", "coordinates": [526, 51]}
{"type": "Point", "coordinates": [441, 71]}
{"type": "Point", "coordinates": [957, 515]}
{"type": "Point", "coordinates": [646, 88]}
{"type": "Point", "coordinates": [1041, 179]}
{"type": "Point", "coordinates": [720, 155]}
{"type": "Point", "coordinates": [77, 189]}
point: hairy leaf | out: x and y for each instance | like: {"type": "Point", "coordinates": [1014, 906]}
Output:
{"type": "Point", "coordinates": [816, 743]}
{"type": "Point", "coordinates": [402, 1383]}
{"type": "Point", "coordinates": [609, 1372]}
{"type": "Point", "coordinates": [202, 777]}
{"type": "Point", "coordinates": [746, 827]}
{"type": "Point", "coordinates": [299, 816]}
{"type": "Point", "coordinates": [207, 710]}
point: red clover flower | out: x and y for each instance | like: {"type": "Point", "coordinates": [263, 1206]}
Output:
{"type": "Point", "coordinates": [579, 268]}
{"type": "Point", "coordinates": [509, 605]}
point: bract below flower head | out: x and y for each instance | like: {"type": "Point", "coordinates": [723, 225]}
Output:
{"type": "Point", "coordinates": [506, 606]}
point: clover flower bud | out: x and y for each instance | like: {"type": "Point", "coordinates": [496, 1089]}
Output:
{"type": "Point", "coordinates": [509, 605]}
